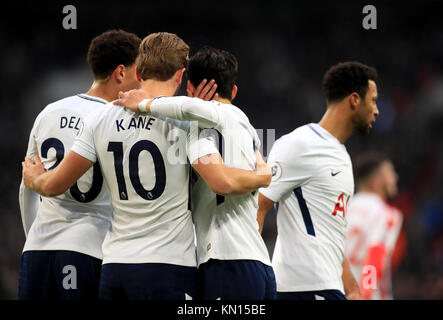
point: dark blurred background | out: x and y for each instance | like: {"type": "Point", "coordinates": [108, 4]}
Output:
{"type": "Point", "coordinates": [283, 48]}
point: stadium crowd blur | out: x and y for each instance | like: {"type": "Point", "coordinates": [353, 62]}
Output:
{"type": "Point", "coordinates": [283, 48]}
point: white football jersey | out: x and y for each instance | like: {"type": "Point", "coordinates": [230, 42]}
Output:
{"type": "Point", "coordinates": [226, 226]}
{"type": "Point", "coordinates": [312, 184]}
{"type": "Point", "coordinates": [372, 222]}
{"type": "Point", "coordinates": [144, 164]}
{"type": "Point", "coordinates": [78, 219]}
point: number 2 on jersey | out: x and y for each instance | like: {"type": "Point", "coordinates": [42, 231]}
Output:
{"type": "Point", "coordinates": [134, 153]}
{"type": "Point", "coordinates": [97, 177]}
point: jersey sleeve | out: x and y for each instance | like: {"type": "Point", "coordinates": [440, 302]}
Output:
{"type": "Point", "coordinates": [256, 139]}
{"type": "Point", "coordinates": [29, 201]}
{"type": "Point", "coordinates": [84, 144]}
{"type": "Point", "coordinates": [201, 146]}
{"type": "Point", "coordinates": [291, 167]}
{"type": "Point", "coordinates": [187, 109]}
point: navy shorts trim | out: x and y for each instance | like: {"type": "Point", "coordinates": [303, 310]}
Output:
{"type": "Point", "coordinates": [236, 280]}
{"type": "Point", "coordinates": [312, 295]}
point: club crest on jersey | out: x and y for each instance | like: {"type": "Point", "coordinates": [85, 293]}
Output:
{"type": "Point", "coordinates": [276, 170]}
{"type": "Point", "coordinates": [79, 132]}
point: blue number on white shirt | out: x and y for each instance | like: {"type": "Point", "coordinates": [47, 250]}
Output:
{"type": "Point", "coordinates": [59, 150]}
{"type": "Point", "coordinates": [134, 153]}
{"type": "Point", "coordinates": [97, 177]}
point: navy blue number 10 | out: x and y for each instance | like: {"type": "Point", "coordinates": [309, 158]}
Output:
{"type": "Point", "coordinates": [134, 153]}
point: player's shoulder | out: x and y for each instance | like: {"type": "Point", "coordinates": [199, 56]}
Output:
{"type": "Point", "coordinates": [73, 103]}
{"type": "Point", "coordinates": [62, 103]}
{"type": "Point", "coordinates": [232, 113]}
{"type": "Point", "coordinates": [105, 113]}
{"type": "Point", "coordinates": [50, 109]}
{"type": "Point", "coordinates": [298, 139]}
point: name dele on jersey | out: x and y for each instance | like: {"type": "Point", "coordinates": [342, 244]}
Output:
{"type": "Point", "coordinates": [72, 122]}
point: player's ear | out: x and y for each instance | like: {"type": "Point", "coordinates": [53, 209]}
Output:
{"type": "Point", "coordinates": [190, 89]}
{"type": "Point", "coordinates": [139, 78]}
{"type": "Point", "coordinates": [234, 92]}
{"type": "Point", "coordinates": [119, 73]}
{"type": "Point", "coordinates": [354, 100]}
{"type": "Point", "coordinates": [179, 75]}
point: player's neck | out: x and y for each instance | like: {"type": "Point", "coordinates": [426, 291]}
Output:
{"type": "Point", "coordinates": [224, 100]}
{"type": "Point", "coordinates": [156, 88]}
{"type": "Point", "coordinates": [102, 89]}
{"type": "Point", "coordinates": [336, 123]}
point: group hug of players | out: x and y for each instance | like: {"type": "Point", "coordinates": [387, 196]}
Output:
{"type": "Point", "coordinates": [151, 196]}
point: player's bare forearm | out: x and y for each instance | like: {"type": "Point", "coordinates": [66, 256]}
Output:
{"type": "Point", "coordinates": [36, 178]}
{"type": "Point", "coordinates": [58, 180]}
{"type": "Point", "coordinates": [264, 205]}
{"type": "Point", "coordinates": [352, 290]}
{"type": "Point", "coordinates": [231, 181]}
{"type": "Point", "coordinates": [247, 181]}
{"type": "Point", "coordinates": [43, 184]}
{"type": "Point", "coordinates": [244, 181]}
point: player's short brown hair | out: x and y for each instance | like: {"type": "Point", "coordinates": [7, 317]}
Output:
{"type": "Point", "coordinates": [161, 55]}
{"type": "Point", "coordinates": [365, 165]}
{"type": "Point", "coordinates": [109, 50]}
{"type": "Point", "coordinates": [345, 78]}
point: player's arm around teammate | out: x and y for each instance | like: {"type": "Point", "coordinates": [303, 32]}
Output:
{"type": "Point", "coordinates": [58, 180]}
{"type": "Point", "coordinates": [221, 179]}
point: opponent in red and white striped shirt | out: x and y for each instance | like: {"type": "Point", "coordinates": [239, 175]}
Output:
{"type": "Point", "coordinates": [373, 226]}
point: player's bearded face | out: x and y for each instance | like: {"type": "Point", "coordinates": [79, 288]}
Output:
{"type": "Point", "coordinates": [366, 111]}
{"type": "Point", "coordinates": [362, 122]}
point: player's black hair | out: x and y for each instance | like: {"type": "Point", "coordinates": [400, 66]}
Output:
{"type": "Point", "coordinates": [110, 49]}
{"type": "Point", "coordinates": [365, 164]}
{"type": "Point", "coordinates": [345, 78]}
{"type": "Point", "coordinates": [220, 65]}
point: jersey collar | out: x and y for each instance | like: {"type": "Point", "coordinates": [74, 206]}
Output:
{"type": "Point", "coordinates": [325, 134]}
{"type": "Point", "coordinates": [92, 98]}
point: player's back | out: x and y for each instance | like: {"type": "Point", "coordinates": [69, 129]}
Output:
{"type": "Point", "coordinates": [226, 226]}
{"type": "Point", "coordinates": [312, 183]}
{"type": "Point", "coordinates": [78, 219]}
{"type": "Point", "coordinates": [144, 164]}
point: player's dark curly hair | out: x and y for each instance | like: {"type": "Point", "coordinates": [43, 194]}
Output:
{"type": "Point", "coordinates": [345, 78]}
{"type": "Point", "coordinates": [110, 49]}
{"type": "Point", "coordinates": [220, 65]}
